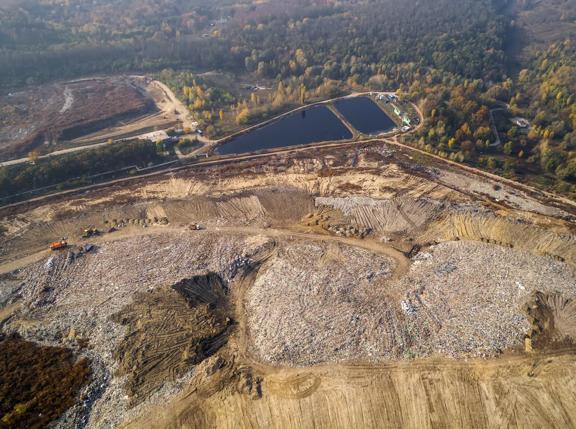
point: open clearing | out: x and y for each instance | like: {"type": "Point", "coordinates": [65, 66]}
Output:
{"type": "Point", "coordinates": [42, 118]}
{"type": "Point", "coordinates": [357, 288]}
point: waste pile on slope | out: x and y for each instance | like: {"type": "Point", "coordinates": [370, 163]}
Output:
{"type": "Point", "coordinates": [71, 302]}
{"type": "Point", "coordinates": [312, 304]}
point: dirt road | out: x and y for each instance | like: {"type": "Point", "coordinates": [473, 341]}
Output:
{"type": "Point", "coordinates": [402, 262]}
{"type": "Point", "coordinates": [173, 104]}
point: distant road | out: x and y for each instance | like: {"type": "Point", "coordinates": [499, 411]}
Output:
{"type": "Point", "coordinates": [55, 153]}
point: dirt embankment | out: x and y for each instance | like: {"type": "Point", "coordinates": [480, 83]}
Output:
{"type": "Point", "coordinates": [386, 312]}
{"type": "Point", "coordinates": [170, 330]}
{"type": "Point", "coordinates": [516, 391]}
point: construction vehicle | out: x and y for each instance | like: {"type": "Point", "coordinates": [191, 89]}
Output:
{"type": "Point", "coordinates": [90, 232]}
{"type": "Point", "coordinates": [196, 227]}
{"type": "Point", "coordinates": [58, 245]}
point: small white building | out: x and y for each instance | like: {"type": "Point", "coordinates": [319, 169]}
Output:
{"type": "Point", "coordinates": [520, 122]}
{"type": "Point", "coordinates": [154, 136]}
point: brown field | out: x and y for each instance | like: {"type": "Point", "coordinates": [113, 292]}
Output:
{"type": "Point", "coordinates": [42, 118]}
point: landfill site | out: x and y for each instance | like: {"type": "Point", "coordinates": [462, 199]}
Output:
{"type": "Point", "coordinates": [370, 286]}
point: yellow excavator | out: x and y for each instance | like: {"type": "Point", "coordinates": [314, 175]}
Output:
{"type": "Point", "coordinates": [90, 232]}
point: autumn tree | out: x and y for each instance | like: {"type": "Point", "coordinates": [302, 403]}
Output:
{"type": "Point", "coordinates": [33, 156]}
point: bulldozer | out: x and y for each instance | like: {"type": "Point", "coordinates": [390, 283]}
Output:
{"type": "Point", "coordinates": [90, 232]}
{"type": "Point", "coordinates": [58, 245]}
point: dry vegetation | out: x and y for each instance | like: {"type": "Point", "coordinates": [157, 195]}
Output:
{"type": "Point", "coordinates": [37, 383]}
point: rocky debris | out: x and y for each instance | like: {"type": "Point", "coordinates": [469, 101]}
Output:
{"type": "Point", "coordinates": [118, 224]}
{"type": "Point", "coordinates": [467, 296]}
{"type": "Point", "coordinates": [239, 263]}
{"type": "Point", "coordinates": [349, 230]}
{"type": "Point", "coordinates": [49, 265]}
{"type": "Point", "coordinates": [408, 307]}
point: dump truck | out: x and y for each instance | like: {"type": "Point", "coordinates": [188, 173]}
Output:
{"type": "Point", "coordinates": [57, 245]}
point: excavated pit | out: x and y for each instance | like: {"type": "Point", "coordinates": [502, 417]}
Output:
{"type": "Point", "coordinates": [553, 320]}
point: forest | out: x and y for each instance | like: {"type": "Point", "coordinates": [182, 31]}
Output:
{"type": "Point", "coordinates": [77, 167]}
{"type": "Point", "coordinates": [467, 63]}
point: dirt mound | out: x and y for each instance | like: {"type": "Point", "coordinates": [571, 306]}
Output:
{"type": "Point", "coordinates": [553, 320]}
{"type": "Point", "coordinates": [37, 383]}
{"type": "Point", "coordinates": [393, 215]}
{"type": "Point", "coordinates": [285, 204]}
{"type": "Point", "coordinates": [502, 231]}
{"type": "Point", "coordinates": [261, 206]}
{"type": "Point", "coordinates": [170, 330]}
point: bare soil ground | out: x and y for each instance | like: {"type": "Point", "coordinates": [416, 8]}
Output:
{"type": "Point", "coordinates": [41, 118]}
{"type": "Point", "coordinates": [356, 288]}
{"type": "Point", "coordinates": [517, 391]}
{"type": "Point", "coordinates": [185, 324]}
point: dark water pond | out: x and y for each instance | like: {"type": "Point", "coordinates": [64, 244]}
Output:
{"type": "Point", "coordinates": [308, 126]}
{"type": "Point", "coordinates": [364, 115]}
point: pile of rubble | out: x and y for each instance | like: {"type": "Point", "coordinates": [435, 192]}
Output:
{"type": "Point", "coordinates": [116, 224]}
{"type": "Point", "coordinates": [349, 230]}
{"type": "Point", "coordinates": [466, 298]}
{"type": "Point", "coordinates": [319, 304]}
{"type": "Point", "coordinates": [70, 302]}
{"type": "Point", "coordinates": [314, 303]}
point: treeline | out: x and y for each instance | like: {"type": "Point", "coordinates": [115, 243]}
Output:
{"type": "Point", "coordinates": [459, 124]}
{"type": "Point", "coordinates": [58, 170]}
{"type": "Point", "coordinates": [447, 55]}
{"type": "Point", "coordinates": [22, 67]}
{"type": "Point", "coordinates": [311, 39]}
